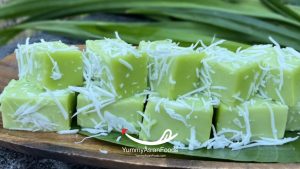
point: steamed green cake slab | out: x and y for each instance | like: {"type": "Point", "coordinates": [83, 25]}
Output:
{"type": "Point", "coordinates": [118, 66]}
{"type": "Point", "coordinates": [266, 119]}
{"type": "Point", "coordinates": [123, 113]}
{"type": "Point", "coordinates": [190, 118]}
{"type": "Point", "coordinates": [231, 78]}
{"type": "Point", "coordinates": [27, 106]}
{"type": "Point", "coordinates": [52, 64]}
{"type": "Point", "coordinates": [173, 70]}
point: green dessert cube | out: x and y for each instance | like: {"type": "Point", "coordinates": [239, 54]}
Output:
{"type": "Point", "coordinates": [282, 73]}
{"type": "Point", "coordinates": [26, 106]}
{"type": "Point", "coordinates": [123, 113]}
{"type": "Point", "coordinates": [52, 64]}
{"type": "Point", "coordinates": [190, 118]}
{"type": "Point", "coordinates": [264, 118]}
{"type": "Point", "coordinates": [293, 122]}
{"type": "Point", "coordinates": [118, 66]}
{"type": "Point", "coordinates": [231, 77]}
{"type": "Point", "coordinates": [173, 70]}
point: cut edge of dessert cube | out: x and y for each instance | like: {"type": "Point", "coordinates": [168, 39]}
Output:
{"type": "Point", "coordinates": [35, 111]}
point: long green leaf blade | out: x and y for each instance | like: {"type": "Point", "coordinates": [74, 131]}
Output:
{"type": "Point", "coordinates": [133, 32]}
{"type": "Point", "coordinates": [251, 8]}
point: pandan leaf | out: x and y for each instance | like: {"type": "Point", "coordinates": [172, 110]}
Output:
{"type": "Point", "coordinates": [184, 32]}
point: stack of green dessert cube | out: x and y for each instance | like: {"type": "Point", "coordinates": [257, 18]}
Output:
{"type": "Point", "coordinates": [236, 79]}
{"type": "Point", "coordinates": [281, 69]}
{"type": "Point", "coordinates": [175, 102]}
{"type": "Point", "coordinates": [115, 73]}
{"type": "Point", "coordinates": [209, 96]}
{"type": "Point", "coordinates": [40, 100]}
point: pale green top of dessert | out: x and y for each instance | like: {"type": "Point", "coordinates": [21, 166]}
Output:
{"type": "Point", "coordinates": [257, 101]}
{"type": "Point", "coordinates": [25, 89]}
{"type": "Point", "coordinates": [111, 48]}
{"type": "Point", "coordinates": [165, 48]}
{"type": "Point", "coordinates": [274, 56]}
{"type": "Point", "coordinates": [226, 58]}
{"type": "Point", "coordinates": [28, 55]}
{"type": "Point", "coordinates": [46, 46]}
{"type": "Point", "coordinates": [22, 89]}
{"type": "Point", "coordinates": [193, 102]}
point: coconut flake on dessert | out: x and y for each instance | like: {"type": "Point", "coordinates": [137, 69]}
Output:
{"type": "Point", "coordinates": [73, 131]}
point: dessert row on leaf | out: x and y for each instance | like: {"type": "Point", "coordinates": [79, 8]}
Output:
{"type": "Point", "coordinates": [209, 96]}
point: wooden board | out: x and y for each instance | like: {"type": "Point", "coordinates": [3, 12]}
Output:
{"type": "Point", "coordinates": [63, 147]}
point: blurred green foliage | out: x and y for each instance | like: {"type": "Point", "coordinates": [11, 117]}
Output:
{"type": "Point", "coordinates": [240, 22]}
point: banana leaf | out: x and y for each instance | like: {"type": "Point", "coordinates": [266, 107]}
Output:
{"type": "Point", "coordinates": [287, 153]}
